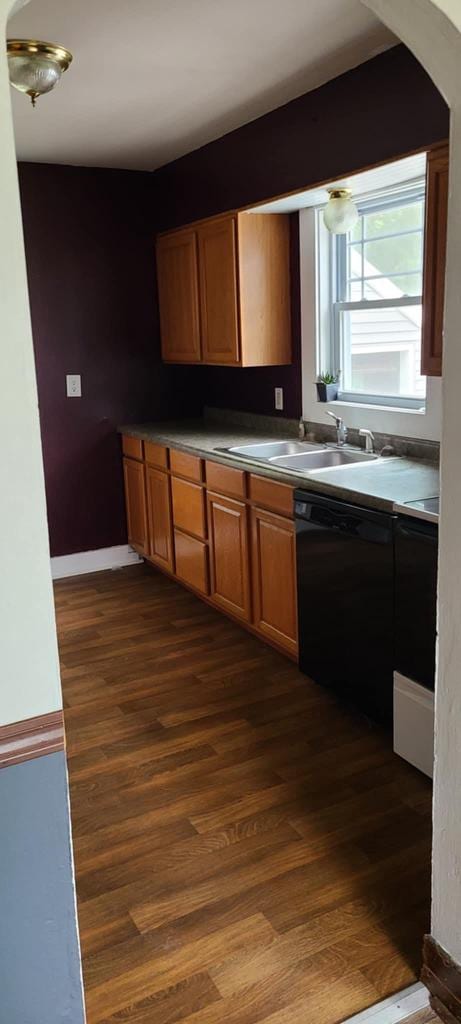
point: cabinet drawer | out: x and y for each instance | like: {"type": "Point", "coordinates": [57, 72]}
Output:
{"type": "Point", "coordinates": [225, 480]}
{"type": "Point", "coordinates": [191, 558]}
{"type": "Point", "coordinates": [272, 495]}
{"type": "Point", "coordinates": [188, 507]}
{"type": "Point", "coordinates": [183, 464]}
{"type": "Point", "coordinates": [156, 455]}
{"type": "Point", "coordinates": [132, 447]}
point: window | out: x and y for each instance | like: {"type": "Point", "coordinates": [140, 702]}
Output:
{"type": "Point", "coordinates": [376, 312]}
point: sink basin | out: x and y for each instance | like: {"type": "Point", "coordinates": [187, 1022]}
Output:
{"type": "Point", "coordinates": [325, 459]}
{"type": "Point", "coordinates": [275, 449]}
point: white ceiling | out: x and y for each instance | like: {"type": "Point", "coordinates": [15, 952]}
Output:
{"type": "Point", "coordinates": [364, 183]}
{"type": "Point", "coordinates": [153, 79]}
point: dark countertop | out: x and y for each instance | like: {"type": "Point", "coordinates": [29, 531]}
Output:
{"type": "Point", "coordinates": [381, 484]}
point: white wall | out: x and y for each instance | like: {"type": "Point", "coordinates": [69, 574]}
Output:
{"type": "Point", "coordinates": [426, 28]}
{"type": "Point", "coordinates": [385, 421]}
{"type": "Point", "coordinates": [29, 670]}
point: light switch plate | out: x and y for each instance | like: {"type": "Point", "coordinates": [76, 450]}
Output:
{"type": "Point", "coordinates": [278, 398]}
{"type": "Point", "coordinates": [74, 385]}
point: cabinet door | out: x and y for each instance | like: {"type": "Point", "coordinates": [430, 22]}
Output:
{"type": "Point", "coordinates": [178, 297]}
{"type": "Point", "coordinates": [274, 577]}
{"type": "Point", "coordinates": [218, 291]}
{"type": "Point", "coordinates": [135, 499]}
{"type": "Point", "coordinates": [229, 551]}
{"type": "Point", "coordinates": [159, 518]}
{"type": "Point", "coordinates": [435, 244]}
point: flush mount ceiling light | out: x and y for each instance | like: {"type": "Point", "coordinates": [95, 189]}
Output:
{"type": "Point", "coordinates": [340, 214]}
{"type": "Point", "coordinates": [35, 67]}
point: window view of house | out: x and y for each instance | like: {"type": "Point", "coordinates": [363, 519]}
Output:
{"type": "Point", "coordinates": [377, 312]}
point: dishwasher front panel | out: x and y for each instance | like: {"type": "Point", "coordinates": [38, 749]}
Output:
{"type": "Point", "coordinates": [416, 556]}
{"type": "Point", "coordinates": [345, 564]}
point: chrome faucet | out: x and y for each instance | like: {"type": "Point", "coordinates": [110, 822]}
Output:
{"type": "Point", "coordinates": [341, 429]}
{"type": "Point", "coordinates": [369, 439]}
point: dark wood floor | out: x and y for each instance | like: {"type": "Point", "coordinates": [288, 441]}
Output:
{"type": "Point", "coordinates": [246, 850]}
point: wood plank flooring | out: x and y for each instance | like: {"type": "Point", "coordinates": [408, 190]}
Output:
{"type": "Point", "coordinates": [246, 849]}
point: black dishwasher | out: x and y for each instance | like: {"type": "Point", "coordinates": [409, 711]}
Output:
{"type": "Point", "coordinates": [345, 566]}
{"type": "Point", "coordinates": [416, 550]}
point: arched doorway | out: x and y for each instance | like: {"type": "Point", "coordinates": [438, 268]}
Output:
{"type": "Point", "coordinates": [432, 30]}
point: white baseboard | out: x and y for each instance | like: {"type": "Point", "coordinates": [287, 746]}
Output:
{"type": "Point", "coordinates": [93, 561]}
{"type": "Point", "coordinates": [414, 723]}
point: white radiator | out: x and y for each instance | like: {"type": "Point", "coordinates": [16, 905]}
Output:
{"type": "Point", "coordinates": [414, 723]}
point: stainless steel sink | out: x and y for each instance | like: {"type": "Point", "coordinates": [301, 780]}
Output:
{"type": "Point", "coordinates": [326, 459]}
{"type": "Point", "coordinates": [275, 449]}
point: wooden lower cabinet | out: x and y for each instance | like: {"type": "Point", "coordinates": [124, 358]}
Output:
{"type": "Point", "coordinates": [135, 501]}
{"type": "Point", "coordinates": [160, 529]}
{"type": "Point", "coordinates": [240, 556]}
{"type": "Point", "coordinates": [229, 555]}
{"type": "Point", "coordinates": [274, 577]}
{"type": "Point", "coordinates": [191, 557]}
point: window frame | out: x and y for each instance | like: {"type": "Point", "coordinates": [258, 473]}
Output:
{"type": "Point", "coordinates": [338, 278]}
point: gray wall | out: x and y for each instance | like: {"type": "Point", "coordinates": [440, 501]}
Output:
{"type": "Point", "coordinates": [39, 954]}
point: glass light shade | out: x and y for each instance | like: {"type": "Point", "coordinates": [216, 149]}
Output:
{"type": "Point", "coordinates": [340, 214]}
{"type": "Point", "coordinates": [35, 67]}
{"type": "Point", "coordinates": [33, 75]}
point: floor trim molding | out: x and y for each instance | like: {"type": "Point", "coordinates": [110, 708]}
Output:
{"type": "Point", "coordinates": [394, 1009]}
{"type": "Point", "coordinates": [442, 976]}
{"type": "Point", "coordinates": [93, 561]}
{"type": "Point", "coordinates": [33, 737]}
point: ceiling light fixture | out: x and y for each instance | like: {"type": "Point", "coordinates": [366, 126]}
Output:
{"type": "Point", "coordinates": [35, 67]}
{"type": "Point", "coordinates": [340, 214]}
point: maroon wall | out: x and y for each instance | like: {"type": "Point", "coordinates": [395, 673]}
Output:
{"type": "Point", "coordinates": [89, 248]}
{"type": "Point", "coordinates": [380, 110]}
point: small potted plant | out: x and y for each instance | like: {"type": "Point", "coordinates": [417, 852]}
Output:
{"type": "Point", "coordinates": [327, 387]}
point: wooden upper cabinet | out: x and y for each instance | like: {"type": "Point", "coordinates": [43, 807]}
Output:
{"type": "Point", "coordinates": [274, 577]}
{"type": "Point", "coordinates": [218, 291]}
{"type": "Point", "coordinates": [159, 517]}
{"type": "Point", "coordinates": [177, 276]}
{"type": "Point", "coordinates": [135, 500]}
{"type": "Point", "coordinates": [435, 244]}
{"type": "Point", "coordinates": [243, 292]}
{"type": "Point", "coordinates": [265, 288]}
{"type": "Point", "coordinates": [229, 555]}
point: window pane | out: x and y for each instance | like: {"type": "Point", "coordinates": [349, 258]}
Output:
{"type": "Point", "coordinates": [356, 233]}
{"type": "Point", "coordinates": [354, 260]}
{"type": "Point", "coordinates": [381, 351]}
{"type": "Point", "coordinates": [393, 255]}
{"type": "Point", "coordinates": [354, 290]}
{"type": "Point", "coordinates": [395, 218]}
{"type": "Point", "coordinates": [392, 287]}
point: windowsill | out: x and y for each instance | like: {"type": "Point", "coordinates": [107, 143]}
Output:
{"type": "Point", "coordinates": [370, 405]}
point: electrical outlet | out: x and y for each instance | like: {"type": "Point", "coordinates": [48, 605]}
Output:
{"type": "Point", "coordinates": [73, 385]}
{"type": "Point", "coordinates": [278, 398]}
